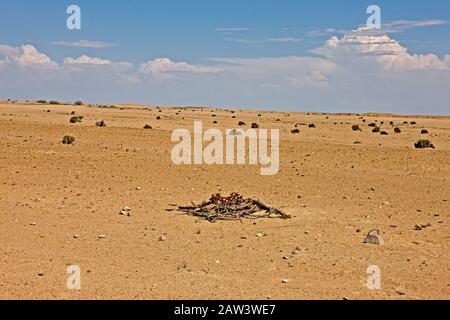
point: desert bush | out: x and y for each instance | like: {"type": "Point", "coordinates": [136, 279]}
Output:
{"type": "Point", "coordinates": [147, 126]}
{"type": "Point", "coordinates": [53, 102]}
{"type": "Point", "coordinates": [311, 125]}
{"type": "Point", "coordinates": [372, 125]}
{"type": "Point", "coordinates": [295, 131]}
{"type": "Point", "coordinates": [423, 144]}
{"type": "Point", "coordinates": [78, 103]}
{"type": "Point", "coordinates": [376, 130]}
{"type": "Point", "coordinates": [255, 126]}
{"type": "Point", "coordinates": [76, 119]}
{"type": "Point", "coordinates": [158, 118]}
{"type": "Point", "coordinates": [424, 131]}
{"type": "Point", "coordinates": [68, 140]}
{"type": "Point", "coordinates": [413, 122]}
{"type": "Point", "coordinates": [384, 133]}
{"type": "Point", "coordinates": [397, 130]}
{"type": "Point", "coordinates": [356, 127]}
{"type": "Point", "coordinates": [101, 124]}
{"type": "Point", "coordinates": [241, 123]}
{"type": "Point", "coordinates": [42, 101]}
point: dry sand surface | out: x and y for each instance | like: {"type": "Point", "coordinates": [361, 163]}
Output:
{"type": "Point", "coordinates": [56, 200]}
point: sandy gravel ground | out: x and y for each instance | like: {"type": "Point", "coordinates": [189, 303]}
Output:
{"type": "Point", "coordinates": [56, 200]}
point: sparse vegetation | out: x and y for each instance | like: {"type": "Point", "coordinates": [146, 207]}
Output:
{"type": "Point", "coordinates": [424, 144]}
{"type": "Point", "coordinates": [376, 129]}
{"type": "Point", "coordinates": [424, 131]}
{"type": "Point", "coordinates": [68, 140]}
{"type": "Point", "coordinates": [372, 125]}
{"type": "Point", "coordinates": [384, 133]}
{"type": "Point", "coordinates": [255, 126]}
{"type": "Point", "coordinates": [356, 127]}
{"type": "Point", "coordinates": [397, 130]}
{"type": "Point", "coordinates": [76, 119]}
{"type": "Point", "coordinates": [53, 102]}
{"type": "Point", "coordinates": [147, 126]}
{"type": "Point", "coordinates": [311, 125]}
{"type": "Point", "coordinates": [42, 101]}
{"type": "Point", "coordinates": [295, 131]}
{"type": "Point", "coordinates": [101, 124]}
{"type": "Point", "coordinates": [78, 103]}
{"type": "Point", "coordinates": [241, 123]}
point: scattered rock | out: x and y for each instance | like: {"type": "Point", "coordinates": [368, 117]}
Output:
{"type": "Point", "coordinates": [125, 212]}
{"type": "Point", "coordinates": [373, 237]}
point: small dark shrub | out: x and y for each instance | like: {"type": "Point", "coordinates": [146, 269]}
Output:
{"type": "Point", "coordinates": [376, 130]}
{"type": "Point", "coordinates": [372, 125]}
{"type": "Point", "coordinates": [384, 133]}
{"type": "Point", "coordinates": [53, 102]}
{"type": "Point", "coordinates": [158, 118]}
{"type": "Point", "coordinates": [295, 131]}
{"type": "Point", "coordinates": [413, 122]}
{"type": "Point", "coordinates": [78, 103]}
{"type": "Point", "coordinates": [423, 144]}
{"type": "Point", "coordinates": [424, 131]}
{"type": "Point", "coordinates": [255, 126]}
{"type": "Point", "coordinates": [147, 126]}
{"type": "Point", "coordinates": [311, 125]}
{"type": "Point", "coordinates": [397, 130]}
{"type": "Point", "coordinates": [101, 124]}
{"type": "Point", "coordinates": [42, 101]}
{"type": "Point", "coordinates": [68, 140]}
{"type": "Point", "coordinates": [356, 127]}
{"type": "Point", "coordinates": [76, 119]}
{"type": "Point", "coordinates": [241, 123]}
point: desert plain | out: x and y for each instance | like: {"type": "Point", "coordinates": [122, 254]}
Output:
{"type": "Point", "coordinates": [60, 206]}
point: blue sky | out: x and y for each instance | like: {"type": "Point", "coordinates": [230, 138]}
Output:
{"type": "Point", "coordinates": [228, 53]}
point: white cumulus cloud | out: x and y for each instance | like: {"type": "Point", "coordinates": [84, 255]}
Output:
{"type": "Point", "coordinates": [163, 67]}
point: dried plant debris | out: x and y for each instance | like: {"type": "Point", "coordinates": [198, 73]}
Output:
{"type": "Point", "coordinates": [233, 207]}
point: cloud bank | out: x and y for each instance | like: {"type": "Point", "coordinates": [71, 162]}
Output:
{"type": "Point", "coordinates": [360, 71]}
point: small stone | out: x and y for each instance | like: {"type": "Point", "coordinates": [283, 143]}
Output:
{"type": "Point", "coordinates": [373, 237]}
{"type": "Point", "coordinates": [102, 236]}
{"type": "Point", "coordinates": [76, 236]}
{"type": "Point", "coordinates": [32, 223]}
{"type": "Point", "coordinates": [285, 281]}
{"type": "Point", "coordinates": [285, 258]}
{"type": "Point", "coordinates": [162, 238]}
{"type": "Point", "coordinates": [138, 188]}
{"type": "Point", "coordinates": [259, 235]}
